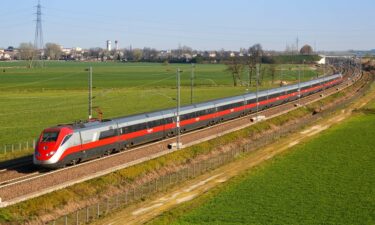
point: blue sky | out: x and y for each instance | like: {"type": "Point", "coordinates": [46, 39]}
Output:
{"type": "Point", "coordinates": [201, 24]}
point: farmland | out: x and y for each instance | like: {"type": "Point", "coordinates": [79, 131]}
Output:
{"type": "Point", "coordinates": [328, 180]}
{"type": "Point", "coordinates": [32, 99]}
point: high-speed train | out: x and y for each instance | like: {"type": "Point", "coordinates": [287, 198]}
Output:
{"type": "Point", "coordinates": [73, 143]}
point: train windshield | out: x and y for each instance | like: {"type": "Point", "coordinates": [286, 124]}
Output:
{"type": "Point", "coordinates": [50, 136]}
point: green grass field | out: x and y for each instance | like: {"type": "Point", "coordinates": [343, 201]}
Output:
{"type": "Point", "coordinates": [32, 99]}
{"type": "Point", "coordinates": [329, 180]}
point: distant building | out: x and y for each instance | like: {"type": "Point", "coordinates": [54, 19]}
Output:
{"type": "Point", "coordinates": [322, 60]}
{"type": "Point", "coordinates": [109, 45]}
{"type": "Point", "coordinates": [5, 55]}
{"type": "Point", "coordinates": [66, 51]}
{"type": "Point", "coordinates": [212, 55]}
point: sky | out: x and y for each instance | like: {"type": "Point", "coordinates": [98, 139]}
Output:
{"type": "Point", "coordinates": [200, 24]}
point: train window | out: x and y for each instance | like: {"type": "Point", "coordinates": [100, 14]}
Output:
{"type": "Point", "coordinates": [274, 96]}
{"type": "Point", "coordinates": [150, 124]}
{"type": "Point", "coordinates": [108, 134]}
{"type": "Point", "coordinates": [154, 123]}
{"type": "Point", "coordinates": [224, 107]}
{"type": "Point", "coordinates": [141, 126]}
{"type": "Point", "coordinates": [203, 112]}
{"type": "Point", "coordinates": [134, 128]}
{"type": "Point", "coordinates": [250, 101]}
{"type": "Point", "coordinates": [238, 104]}
{"type": "Point", "coordinates": [187, 116]}
{"type": "Point", "coordinates": [125, 130]}
{"type": "Point", "coordinates": [168, 120]}
{"type": "Point", "coordinates": [50, 136]}
{"type": "Point", "coordinates": [262, 98]}
{"type": "Point", "coordinates": [209, 111]}
{"type": "Point", "coordinates": [67, 137]}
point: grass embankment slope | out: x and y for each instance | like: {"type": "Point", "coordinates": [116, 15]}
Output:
{"type": "Point", "coordinates": [33, 99]}
{"type": "Point", "coordinates": [329, 180]}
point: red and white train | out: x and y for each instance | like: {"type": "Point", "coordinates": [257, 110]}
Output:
{"type": "Point", "coordinates": [73, 143]}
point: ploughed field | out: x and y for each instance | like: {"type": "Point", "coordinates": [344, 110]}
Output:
{"type": "Point", "coordinates": [328, 180]}
{"type": "Point", "coordinates": [33, 99]}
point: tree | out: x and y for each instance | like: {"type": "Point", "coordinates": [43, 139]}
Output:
{"type": "Point", "coordinates": [53, 51]}
{"type": "Point", "coordinates": [27, 52]}
{"type": "Point", "coordinates": [235, 67]}
{"type": "Point", "coordinates": [273, 72]}
{"type": "Point", "coordinates": [95, 52]}
{"type": "Point", "coordinates": [306, 50]}
{"type": "Point", "coordinates": [255, 53]}
{"type": "Point", "coordinates": [149, 54]}
{"type": "Point", "coordinates": [137, 53]}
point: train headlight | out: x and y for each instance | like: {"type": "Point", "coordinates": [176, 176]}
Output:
{"type": "Point", "coordinates": [50, 153]}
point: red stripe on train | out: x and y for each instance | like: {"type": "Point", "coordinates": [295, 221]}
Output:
{"type": "Point", "coordinates": [166, 127]}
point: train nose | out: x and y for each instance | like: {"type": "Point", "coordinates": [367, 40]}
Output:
{"type": "Point", "coordinates": [44, 151]}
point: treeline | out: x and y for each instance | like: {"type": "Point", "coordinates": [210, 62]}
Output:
{"type": "Point", "coordinates": [290, 59]}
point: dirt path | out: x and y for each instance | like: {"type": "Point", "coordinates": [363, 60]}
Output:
{"type": "Point", "coordinates": [143, 212]}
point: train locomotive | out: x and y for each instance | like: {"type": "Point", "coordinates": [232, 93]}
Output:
{"type": "Point", "coordinates": [73, 143]}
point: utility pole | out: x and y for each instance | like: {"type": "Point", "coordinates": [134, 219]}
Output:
{"type": "Point", "coordinates": [248, 79]}
{"type": "Point", "coordinates": [192, 82]}
{"type": "Point", "coordinates": [299, 85]}
{"type": "Point", "coordinates": [90, 92]}
{"type": "Point", "coordinates": [303, 71]}
{"type": "Point", "coordinates": [257, 83]}
{"type": "Point", "coordinates": [178, 108]}
{"type": "Point", "coordinates": [297, 42]}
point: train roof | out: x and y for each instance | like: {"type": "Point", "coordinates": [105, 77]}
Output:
{"type": "Point", "coordinates": [171, 112]}
{"type": "Point", "coordinates": [229, 100]}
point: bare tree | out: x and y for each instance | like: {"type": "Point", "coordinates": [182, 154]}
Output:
{"type": "Point", "coordinates": [235, 67]}
{"type": "Point", "coordinates": [273, 72]}
{"type": "Point", "coordinates": [53, 51]}
{"type": "Point", "coordinates": [255, 53]}
{"type": "Point", "coordinates": [27, 52]}
{"type": "Point", "coordinates": [149, 54]}
{"type": "Point", "coordinates": [95, 52]}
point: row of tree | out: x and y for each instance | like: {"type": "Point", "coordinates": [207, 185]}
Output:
{"type": "Point", "coordinates": [237, 65]}
{"type": "Point", "coordinates": [27, 52]}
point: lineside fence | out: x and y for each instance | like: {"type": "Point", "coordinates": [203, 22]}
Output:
{"type": "Point", "coordinates": [21, 146]}
{"type": "Point", "coordinates": [136, 193]}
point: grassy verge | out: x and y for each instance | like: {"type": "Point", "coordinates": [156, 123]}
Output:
{"type": "Point", "coordinates": [87, 191]}
{"type": "Point", "coordinates": [328, 180]}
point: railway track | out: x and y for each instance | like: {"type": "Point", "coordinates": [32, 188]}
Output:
{"type": "Point", "coordinates": [21, 186]}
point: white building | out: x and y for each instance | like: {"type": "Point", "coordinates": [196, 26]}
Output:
{"type": "Point", "coordinates": [109, 45]}
{"type": "Point", "coordinates": [322, 60]}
